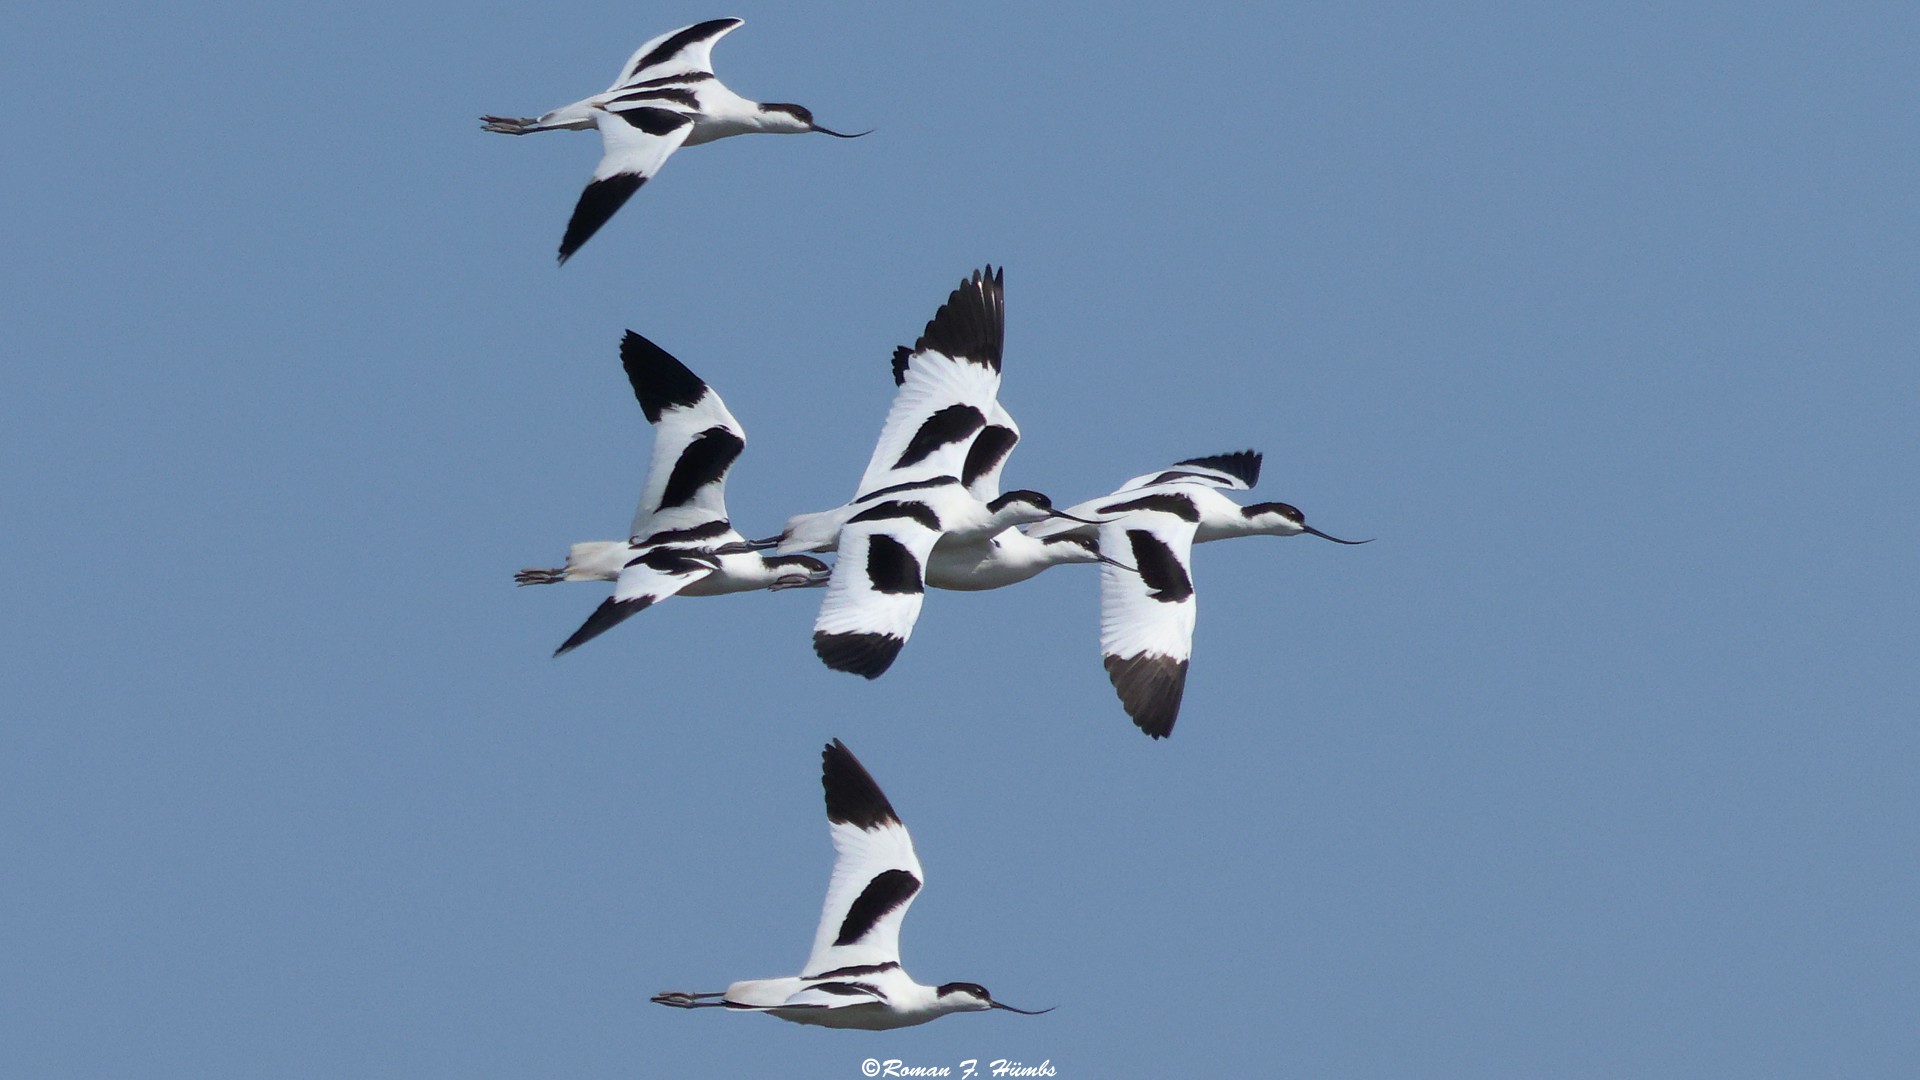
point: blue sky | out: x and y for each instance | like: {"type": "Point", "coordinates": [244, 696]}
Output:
{"type": "Point", "coordinates": [1598, 763]}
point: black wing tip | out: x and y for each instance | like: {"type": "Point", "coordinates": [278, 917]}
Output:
{"type": "Point", "coordinates": [971, 325]}
{"type": "Point", "coordinates": [659, 380]}
{"type": "Point", "coordinates": [868, 655]}
{"type": "Point", "coordinates": [1150, 687]}
{"type": "Point", "coordinates": [853, 798]}
{"type": "Point", "coordinates": [599, 200]}
{"type": "Point", "coordinates": [1242, 465]}
{"type": "Point", "coordinates": [609, 614]}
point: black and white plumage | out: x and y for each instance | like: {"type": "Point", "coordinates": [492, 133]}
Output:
{"type": "Point", "coordinates": [1220, 517]}
{"type": "Point", "coordinates": [976, 563]}
{"type": "Point", "coordinates": [665, 97]}
{"type": "Point", "coordinates": [912, 495]}
{"type": "Point", "coordinates": [853, 977]}
{"type": "Point", "coordinates": [680, 540]}
{"type": "Point", "coordinates": [1147, 613]}
{"type": "Point", "coordinates": [1148, 608]}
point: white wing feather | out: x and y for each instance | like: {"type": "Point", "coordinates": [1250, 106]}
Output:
{"type": "Point", "coordinates": [1134, 618]}
{"type": "Point", "coordinates": [707, 422]}
{"type": "Point", "coordinates": [695, 56]}
{"type": "Point", "coordinates": [861, 855]}
{"type": "Point", "coordinates": [853, 604]}
{"type": "Point", "coordinates": [629, 150]}
{"type": "Point", "coordinates": [934, 381]}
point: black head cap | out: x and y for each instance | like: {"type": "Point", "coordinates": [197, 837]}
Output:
{"type": "Point", "coordinates": [798, 112]}
{"type": "Point", "coordinates": [963, 987]}
{"type": "Point", "coordinates": [1022, 495]}
{"type": "Point", "coordinates": [1285, 510]}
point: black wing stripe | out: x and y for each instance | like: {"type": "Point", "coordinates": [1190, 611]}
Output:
{"type": "Point", "coordinates": [692, 35]}
{"type": "Point", "coordinates": [1160, 570]}
{"type": "Point", "coordinates": [676, 95]}
{"type": "Point", "coordinates": [944, 428]}
{"type": "Point", "coordinates": [911, 485]}
{"type": "Point", "coordinates": [916, 511]}
{"type": "Point", "coordinates": [712, 530]}
{"type": "Point", "coordinates": [705, 461]}
{"type": "Point", "coordinates": [891, 567]}
{"type": "Point", "coordinates": [1178, 505]}
{"type": "Point", "coordinates": [849, 989]}
{"type": "Point", "coordinates": [856, 969]}
{"type": "Point", "coordinates": [988, 450]}
{"type": "Point", "coordinates": [887, 891]}
{"type": "Point", "coordinates": [670, 80]}
{"type": "Point", "coordinates": [653, 121]}
{"type": "Point", "coordinates": [667, 560]}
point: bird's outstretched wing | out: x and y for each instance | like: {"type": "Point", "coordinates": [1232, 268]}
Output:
{"type": "Point", "coordinates": [695, 441]}
{"type": "Point", "coordinates": [948, 382]}
{"type": "Point", "coordinates": [637, 139]}
{"type": "Point", "coordinates": [879, 582]}
{"type": "Point", "coordinates": [682, 52]}
{"type": "Point", "coordinates": [649, 577]}
{"type": "Point", "coordinates": [1147, 617]}
{"type": "Point", "coordinates": [836, 994]}
{"type": "Point", "coordinates": [1237, 471]}
{"type": "Point", "coordinates": [875, 876]}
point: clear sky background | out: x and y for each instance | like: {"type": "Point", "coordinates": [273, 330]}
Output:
{"type": "Point", "coordinates": [1600, 762]}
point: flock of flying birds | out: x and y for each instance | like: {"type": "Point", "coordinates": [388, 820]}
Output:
{"type": "Point", "coordinates": [928, 511]}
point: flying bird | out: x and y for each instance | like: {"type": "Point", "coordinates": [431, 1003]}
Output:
{"type": "Point", "coordinates": [912, 495]}
{"type": "Point", "coordinates": [681, 540]}
{"type": "Point", "coordinates": [975, 563]}
{"type": "Point", "coordinates": [853, 978]}
{"type": "Point", "coordinates": [1147, 608]}
{"type": "Point", "coordinates": [665, 97]}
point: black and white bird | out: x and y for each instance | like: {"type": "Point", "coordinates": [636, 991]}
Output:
{"type": "Point", "coordinates": [976, 563]}
{"type": "Point", "coordinates": [853, 977]}
{"type": "Point", "coordinates": [912, 495]}
{"type": "Point", "coordinates": [665, 97]}
{"type": "Point", "coordinates": [1147, 609]}
{"type": "Point", "coordinates": [1220, 517]}
{"type": "Point", "coordinates": [681, 540]}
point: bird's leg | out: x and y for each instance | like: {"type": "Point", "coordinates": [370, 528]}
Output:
{"type": "Point", "coordinates": [797, 581]}
{"type": "Point", "coordinates": [681, 1000]}
{"type": "Point", "coordinates": [534, 575]}
{"type": "Point", "coordinates": [509, 125]}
